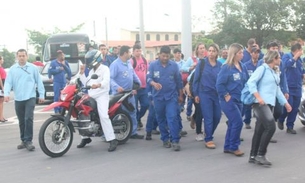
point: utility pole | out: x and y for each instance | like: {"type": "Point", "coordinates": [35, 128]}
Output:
{"type": "Point", "coordinates": [94, 33]}
{"type": "Point", "coordinates": [186, 31]}
{"type": "Point", "coordinates": [142, 38]}
{"type": "Point", "coordinates": [106, 31]}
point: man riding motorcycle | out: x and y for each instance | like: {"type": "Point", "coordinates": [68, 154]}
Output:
{"type": "Point", "coordinates": [100, 92]}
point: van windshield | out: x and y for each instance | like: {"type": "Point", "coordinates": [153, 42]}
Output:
{"type": "Point", "coordinates": [71, 50]}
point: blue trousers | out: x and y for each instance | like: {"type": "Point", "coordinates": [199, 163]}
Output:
{"type": "Point", "coordinates": [132, 115]}
{"type": "Point", "coordinates": [232, 110]}
{"type": "Point", "coordinates": [211, 112]}
{"type": "Point", "coordinates": [142, 98]}
{"type": "Point", "coordinates": [57, 87]}
{"type": "Point", "coordinates": [189, 106]}
{"type": "Point", "coordinates": [166, 111]}
{"type": "Point", "coordinates": [247, 113]}
{"type": "Point", "coordinates": [294, 101]}
{"type": "Point", "coordinates": [151, 123]}
{"type": "Point", "coordinates": [25, 113]}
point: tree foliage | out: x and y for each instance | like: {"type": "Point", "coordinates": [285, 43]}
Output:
{"type": "Point", "coordinates": [38, 38]}
{"type": "Point", "coordinates": [9, 58]}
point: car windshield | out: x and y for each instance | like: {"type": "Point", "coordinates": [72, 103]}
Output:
{"type": "Point", "coordinates": [73, 66]}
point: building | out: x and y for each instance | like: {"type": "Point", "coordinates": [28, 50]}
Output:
{"type": "Point", "coordinates": [154, 40]}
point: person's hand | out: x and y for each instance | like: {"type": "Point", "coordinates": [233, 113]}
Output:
{"type": "Point", "coordinates": [286, 96]}
{"type": "Point", "coordinates": [40, 101]}
{"type": "Point", "coordinates": [180, 99]}
{"type": "Point", "coordinates": [256, 46]}
{"type": "Point", "coordinates": [120, 89]}
{"type": "Point", "coordinates": [134, 92]}
{"type": "Point", "coordinates": [61, 68]}
{"type": "Point", "coordinates": [51, 80]}
{"type": "Point", "coordinates": [95, 86]}
{"type": "Point", "coordinates": [227, 98]}
{"type": "Point", "coordinates": [298, 54]}
{"type": "Point", "coordinates": [6, 99]}
{"type": "Point", "coordinates": [288, 107]}
{"type": "Point", "coordinates": [260, 101]}
{"type": "Point", "coordinates": [157, 86]}
{"type": "Point", "coordinates": [197, 100]}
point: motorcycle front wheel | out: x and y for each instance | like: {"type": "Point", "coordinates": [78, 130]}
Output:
{"type": "Point", "coordinates": [122, 126]}
{"type": "Point", "coordinates": [55, 138]}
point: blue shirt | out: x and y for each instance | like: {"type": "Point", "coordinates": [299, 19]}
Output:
{"type": "Point", "coordinates": [207, 81]}
{"type": "Point", "coordinates": [294, 72]}
{"type": "Point", "coordinates": [122, 75]}
{"type": "Point", "coordinates": [169, 77]}
{"type": "Point", "coordinates": [250, 67]}
{"type": "Point", "coordinates": [58, 74]}
{"type": "Point", "coordinates": [108, 60]}
{"type": "Point", "coordinates": [187, 64]}
{"type": "Point", "coordinates": [24, 80]}
{"type": "Point", "coordinates": [268, 86]}
{"type": "Point", "coordinates": [231, 81]}
{"type": "Point", "coordinates": [222, 60]}
{"type": "Point", "coordinates": [180, 64]}
{"type": "Point", "coordinates": [247, 56]}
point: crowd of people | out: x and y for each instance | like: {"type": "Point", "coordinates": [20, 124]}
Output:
{"type": "Point", "coordinates": [212, 81]}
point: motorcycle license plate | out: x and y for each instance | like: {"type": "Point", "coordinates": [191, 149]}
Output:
{"type": "Point", "coordinates": [50, 94]}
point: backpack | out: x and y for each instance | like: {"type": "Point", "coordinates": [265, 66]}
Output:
{"type": "Point", "coordinates": [134, 65]}
{"type": "Point", "coordinates": [189, 86]}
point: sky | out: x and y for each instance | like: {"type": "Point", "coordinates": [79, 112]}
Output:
{"type": "Point", "coordinates": [42, 15]}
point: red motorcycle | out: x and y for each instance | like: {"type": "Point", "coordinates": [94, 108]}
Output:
{"type": "Point", "coordinates": [79, 111]}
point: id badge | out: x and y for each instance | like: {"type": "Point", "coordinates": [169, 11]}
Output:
{"type": "Point", "coordinates": [236, 76]}
{"type": "Point", "coordinates": [156, 74]}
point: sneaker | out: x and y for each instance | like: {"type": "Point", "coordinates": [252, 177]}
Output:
{"type": "Point", "coordinates": [280, 125]}
{"type": "Point", "coordinates": [193, 123]}
{"type": "Point", "coordinates": [113, 145]}
{"type": "Point", "coordinates": [84, 142]}
{"type": "Point", "coordinates": [262, 160]}
{"type": "Point", "coordinates": [183, 133]}
{"type": "Point", "coordinates": [210, 145]}
{"type": "Point", "coordinates": [29, 146]}
{"type": "Point", "coordinates": [137, 136]}
{"type": "Point", "coordinates": [176, 146]}
{"type": "Point", "coordinates": [199, 137]}
{"type": "Point", "coordinates": [252, 159]}
{"type": "Point", "coordinates": [238, 153]}
{"type": "Point", "coordinates": [148, 136]}
{"type": "Point", "coordinates": [248, 126]}
{"type": "Point", "coordinates": [167, 144]}
{"type": "Point", "coordinates": [291, 131]}
{"type": "Point", "coordinates": [21, 146]}
{"type": "Point", "coordinates": [188, 118]}
{"type": "Point", "coordinates": [155, 132]}
{"type": "Point", "coordinates": [273, 141]}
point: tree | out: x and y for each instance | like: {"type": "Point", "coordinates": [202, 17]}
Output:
{"type": "Point", "coordinates": [299, 23]}
{"type": "Point", "coordinates": [9, 58]}
{"type": "Point", "coordinates": [38, 38]}
{"type": "Point", "coordinates": [201, 39]}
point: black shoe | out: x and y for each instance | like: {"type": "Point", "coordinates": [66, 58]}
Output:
{"type": "Point", "coordinates": [29, 146]}
{"type": "Point", "coordinates": [262, 160]}
{"type": "Point", "coordinates": [148, 136]}
{"type": "Point", "coordinates": [167, 144]}
{"type": "Point", "coordinates": [176, 146]}
{"type": "Point", "coordinates": [183, 133]}
{"type": "Point", "coordinates": [137, 136]}
{"type": "Point", "coordinates": [155, 132]}
{"type": "Point", "coordinates": [280, 125]}
{"type": "Point", "coordinates": [273, 141]}
{"type": "Point", "coordinates": [113, 145]}
{"type": "Point", "coordinates": [291, 131]}
{"type": "Point", "coordinates": [84, 142]}
{"type": "Point", "coordinates": [21, 146]}
{"type": "Point", "coordinates": [252, 159]}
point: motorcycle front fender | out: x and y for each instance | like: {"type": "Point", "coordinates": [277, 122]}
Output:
{"type": "Point", "coordinates": [56, 104]}
{"type": "Point", "coordinates": [62, 118]}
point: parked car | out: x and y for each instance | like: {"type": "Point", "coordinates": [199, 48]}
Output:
{"type": "Point", "coordinates": [48, 84]}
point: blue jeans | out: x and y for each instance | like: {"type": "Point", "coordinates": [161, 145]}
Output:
{"type": "Point", "coordinates": [232, 110]}
{"type": "Point", "coordinates": [25, 113]}
{"type": "Point", "coordinates": [151, 123]}
{"type": "Point", "coordinates": [132, 115]}
{"type": "Point", "coordinates": [141, 97]}
{"type": "Point", "coordinates": [294, 101]}
{"type": "Point", "coordinates": [247, 113]}
{"type": "Point", "coordinates": [57, 87]}
{"type": "Point", "coordinates": [210, 108]}
{"type": "Point", "coordinates": [189, 107]}
{"type": "Point", "coordinates": [166, 111]}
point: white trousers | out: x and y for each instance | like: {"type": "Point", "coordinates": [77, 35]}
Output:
{"type": "Point", "coordinates": [102, 108]}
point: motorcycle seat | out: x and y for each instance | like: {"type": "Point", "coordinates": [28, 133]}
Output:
{"type": "Point", "coordinates": [114, 98]}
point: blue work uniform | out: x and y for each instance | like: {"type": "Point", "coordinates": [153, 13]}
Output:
{"type": "Point", "coordinates": [59, 78]}
{"type": "Point", "coordinates": [151, 122]}
{"type": "Point", "coordinates": [294, 72]}
{"type": "Point", "coordinates": [123, 75]}
{"type": "Point", "coordinates": [204, 86]}
{"type": "Point", "coordinates": [166, 99]}
{"type": "Point", "coordinates": [231, 81]}
{"type": "Point", "coordinates": [247, 56]}
{"type": "Point", "coordinates": [247, 109]}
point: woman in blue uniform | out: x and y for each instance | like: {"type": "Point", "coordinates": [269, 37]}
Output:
{"type": "Point", "coordinates": [230, 81]}
{"type": "Point", "coordinates": [206, 94]}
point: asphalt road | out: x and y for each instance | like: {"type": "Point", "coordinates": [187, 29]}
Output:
{"type": "Point", "coordinates": [141, 161]}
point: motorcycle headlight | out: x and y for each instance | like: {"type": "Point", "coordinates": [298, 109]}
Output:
{"type": "Point", "coordinates": [63, 96]}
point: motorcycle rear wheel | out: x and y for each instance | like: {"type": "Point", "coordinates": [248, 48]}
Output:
{"type": "Point", "coordinates": [50, 140]}
{"type": "Point", "coordinates": [122, 119]}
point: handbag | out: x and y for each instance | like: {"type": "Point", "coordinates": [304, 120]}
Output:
{"type": "Point", "coordinates": [246, 97]}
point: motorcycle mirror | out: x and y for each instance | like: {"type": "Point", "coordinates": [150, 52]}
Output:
{"type": "Point", "coordinates": [94, 76]}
